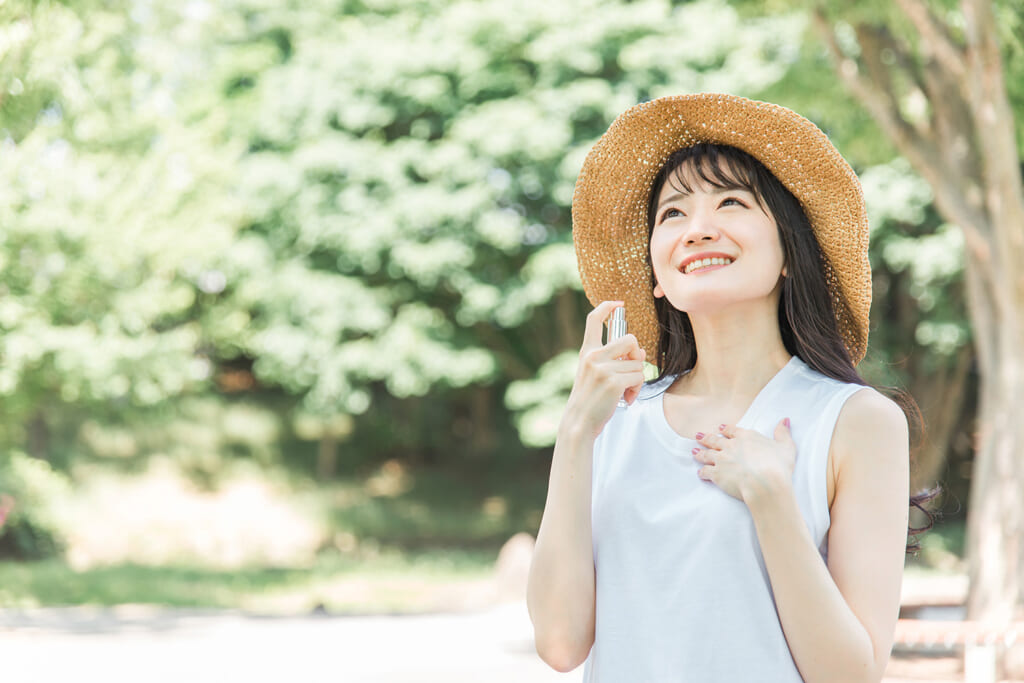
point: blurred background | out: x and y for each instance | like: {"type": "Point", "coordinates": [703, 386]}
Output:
{"type": "Point", "coordinates": [289, 307]}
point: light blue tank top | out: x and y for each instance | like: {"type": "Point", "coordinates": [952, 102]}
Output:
{"type": "Point", "coordinates": [682, 590]}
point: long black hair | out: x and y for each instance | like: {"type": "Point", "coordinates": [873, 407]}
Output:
{"type": "Point", "coordinates": [806, 313]}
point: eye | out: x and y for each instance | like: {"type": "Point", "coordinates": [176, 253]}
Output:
{"type": "Point", "coordinates": [668, 213]}
{"type": "Point", "coordinates": [726, 201]}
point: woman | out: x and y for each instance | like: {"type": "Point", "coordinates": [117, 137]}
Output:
{"type": "Point", "coordinates": [744, 518]}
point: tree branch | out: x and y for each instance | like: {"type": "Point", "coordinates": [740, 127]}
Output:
{"type": "Point", "coordinates": [949, 128]}
{"type": "Point", "coordinates": [902, 56]}
{"type": "Point", "coordinates": [981, 32]}
{"type": "Point", "coordinates": [954, 127]}
{"type": "Point", "coordinates": [950, 195]}
{"type": "Point", "coordinates": [936, 40]}
{"type": "Point", "coordinates": [879, 102]}
{"type": "Point", "coordinates": [873, 41]}
{"type": "Point", "coordinates": [993, 114]}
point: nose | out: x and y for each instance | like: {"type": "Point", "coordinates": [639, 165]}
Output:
{"type": "Point", "coordinates": [700, 229]}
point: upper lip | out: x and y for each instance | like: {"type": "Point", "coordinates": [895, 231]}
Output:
{"type": "Point", "coordinates": [703, 255]}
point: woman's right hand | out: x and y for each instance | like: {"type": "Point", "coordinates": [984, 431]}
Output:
{"type": "Point", "coordinates": [605, 373]}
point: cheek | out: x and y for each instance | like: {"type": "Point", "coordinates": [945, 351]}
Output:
{"type": "Point", "coordinates": [660, 253]}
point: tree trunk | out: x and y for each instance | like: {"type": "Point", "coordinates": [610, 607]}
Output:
{"type": "Point", "coordinates": [995, 519]}
{"type": "Point", "coordinates": [327, 456]}
{"type": "Point", "coordinates": [997, 283]}
{"type": "Point", "coordinates": [996, 515]}
{"type": "Point", "coordinates": [942, 398]}
{"type": "Point", "coordinates": [39, 436]}
{"type": "Point", "coordinates": [976, 178]}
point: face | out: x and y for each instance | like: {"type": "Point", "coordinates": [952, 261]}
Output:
{"type": "Point", "coordinates": [727, 226]}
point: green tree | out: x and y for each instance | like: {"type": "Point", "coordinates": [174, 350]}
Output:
{"type": "Point", "coordinates": [112, 197]}
{"type": "Point", "coordinates": [366, 205]}
{"type": "Point", "coordinates": [408, 179]}
{"type": "Point", "coordinates": [940, 81]}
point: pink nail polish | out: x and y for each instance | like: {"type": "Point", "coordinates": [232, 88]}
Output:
{"type": "Point", "coordinates": [700, 435]}
{"type": "Point", "coordinates": [721, 428]}
{"type": "Point", "coordinates": [695, 451]}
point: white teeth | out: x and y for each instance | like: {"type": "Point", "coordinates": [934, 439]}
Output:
{"type": "Point", "coordinates": [702, 263]}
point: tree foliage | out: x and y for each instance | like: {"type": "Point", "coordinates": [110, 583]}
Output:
{"type": "Point", "coordinates": [338, 202]}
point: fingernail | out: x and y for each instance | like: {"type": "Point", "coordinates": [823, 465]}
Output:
{"type": "Point", "coordinates": [786, 422]}
{"type": "Point", "coordinates": [721, 428]}
{"type": "Point", "coordinates": [700, 435]}
{"type": "Point", "coordinates": [695, 451]}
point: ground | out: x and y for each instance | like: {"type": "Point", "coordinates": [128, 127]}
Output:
{"type": "Point", "coordinates": [149, 644]}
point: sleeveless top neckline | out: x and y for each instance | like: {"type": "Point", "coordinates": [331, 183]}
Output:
{"type": "Point", "coordinates": [674, 441]}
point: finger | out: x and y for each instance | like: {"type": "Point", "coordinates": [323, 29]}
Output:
{"type": "Point", "coordinates": [595, 323]}
{"type": "Point", "coordinates": [727, 430]}
{"type": "Point", "coordinates": [711, 441]}
{"type": "Point", "coordinates": [629, 366]}
{"type": "Point", "coordinates": [627, 347]}
{"type": "Point", "coordinates": [707, 473]}
{"type": "Point", "coordinates": [702, 456]}
{"type": "Point", "coordinates": [622, 353]}
{"type": "Point", "coordinates": [633, 390]}
{"type": "Point", "coordinates": [637, 352]}
{"type": "Point", "coordinates": [782, 431]}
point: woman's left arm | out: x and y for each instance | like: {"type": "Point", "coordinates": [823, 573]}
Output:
{"type": "Point", "coordinates": [839, 620]}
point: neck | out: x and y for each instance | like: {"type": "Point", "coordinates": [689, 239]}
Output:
{"type": "Point", "coordinates": [738, 351]}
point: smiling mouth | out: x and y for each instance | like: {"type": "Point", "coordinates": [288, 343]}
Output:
{"type": "Point", "coordinates": [706, 263]}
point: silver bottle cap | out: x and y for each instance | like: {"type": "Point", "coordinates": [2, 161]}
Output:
{"type": "Point", "coordinates": [617, 327]}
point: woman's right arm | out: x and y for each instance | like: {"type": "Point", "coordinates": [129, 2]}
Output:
{"type": "Point", "coordinates": [560, 593]}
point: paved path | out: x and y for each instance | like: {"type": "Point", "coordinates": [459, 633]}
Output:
{"type": "Point", "coordinates": [132, 645]}
{"type": "Point", "coordinates": [140, 644]}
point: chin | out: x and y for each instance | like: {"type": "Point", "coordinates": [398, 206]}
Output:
{"type": "Point", "coordinates": [717, 301]}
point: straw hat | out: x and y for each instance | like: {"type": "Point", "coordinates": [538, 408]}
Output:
{"type": "Point", "coordinates": [609, 206]}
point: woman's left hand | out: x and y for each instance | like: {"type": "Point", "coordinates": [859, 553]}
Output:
{"type": "Point", "coordinates": [743, 462]}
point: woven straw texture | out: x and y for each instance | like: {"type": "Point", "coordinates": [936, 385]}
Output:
{"type": "Point", "coordinates": [609, 208]}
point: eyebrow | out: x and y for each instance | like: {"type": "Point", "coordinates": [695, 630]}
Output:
{"type": "Point", "coordinates": [717, 190]}
{"type": "Point", "coordinates": [673, 197]}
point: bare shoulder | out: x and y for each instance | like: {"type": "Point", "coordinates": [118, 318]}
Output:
{"type": "Point", "coordinates": [869, 410]}
{"type": "Point", "coordinates": [872, 429]}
